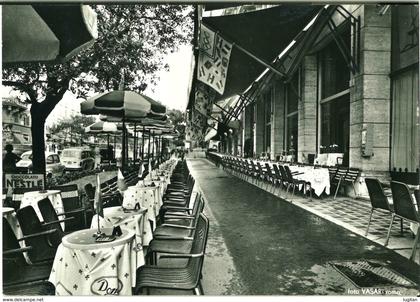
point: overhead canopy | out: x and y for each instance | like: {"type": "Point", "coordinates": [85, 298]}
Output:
{"type": "Point", "coordinates": [33, 33]}
{"type": "Point", "coordinates": [264, 33]}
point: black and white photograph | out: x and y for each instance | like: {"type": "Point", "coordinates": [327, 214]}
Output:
{"type": "Point", "coordinates": [210, 148]}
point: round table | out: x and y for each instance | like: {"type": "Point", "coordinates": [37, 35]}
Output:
{"type": "Point", "coordinates": [32, 198]}
{"type": "Point", "coordinates": [83, 266]}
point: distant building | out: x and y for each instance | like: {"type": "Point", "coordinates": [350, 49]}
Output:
{"type": "Point", "coordinates": [16, 124]}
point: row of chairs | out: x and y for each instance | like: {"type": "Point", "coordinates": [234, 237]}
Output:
{"type": "Point", "coordinates": [403, 206]}
{"type": "Point", "coordinates": [277, 176]}
{"type": "Point", "coordinates": [280, 175]}
{"type": "Point", "coordinates": [41, 240]}
{"type": "Point", "coordinates": [181, 234]}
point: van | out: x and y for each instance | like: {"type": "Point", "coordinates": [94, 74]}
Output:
{"type": "Point", "coordinates": [77, 159]}
{"type": "Point", "coordinates": [53, 165]}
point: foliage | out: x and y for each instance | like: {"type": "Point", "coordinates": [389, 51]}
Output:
{"type": "Point", "coordinates": [73, 124]}
{"type": "Point", "coordinates": [178, 119]}
{"type": "Point", "coordinates": [132, 40]}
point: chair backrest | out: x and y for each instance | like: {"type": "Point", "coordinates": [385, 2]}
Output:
{"type": "Point", "coordinates": [341, 173]}
{"type": "Point", "coordinates": [198, 205]}
{"type": "Point", "coordinates": [268, 169]}
{"type": "Point", "coordinates": [277, 171]}
{"type": "Point", "coordinates": [311, 158]}
{"type": "Point", "coordinates": [260, 169]}
{"type": "Point", "coordinates": [351, 174]}
{"type": "Point", "coordinates": [10, 242]}
{"type": "Point", "coordinates": [403, 201]}
{"type": "Point", "coordinates": [283, 173]}
{"type": "Point", "coordinates": [332, 171]}
{"type": "Point", "coordinates": [376, 194]}
{"type": "Point", "coordinates": [288, 172]}
{"type": "Point", "coordinates": [71, 202]}
{"type": "Point", "coordinates": [195, 264]}
{"type": "Point", "coordinates": [30, 224]}
{"type": "Point", "coordinates": [49, 215]}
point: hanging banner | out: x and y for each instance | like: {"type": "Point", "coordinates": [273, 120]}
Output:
{"type": "Point", "coordinates": [213, 59]}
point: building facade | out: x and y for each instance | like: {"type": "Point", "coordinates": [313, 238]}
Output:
{"type": "Point", "coordinates": [16, 122]}
{"type": "Point", "coordinates": [358, 98]}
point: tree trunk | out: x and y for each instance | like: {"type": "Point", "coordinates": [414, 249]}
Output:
{"type": "Point", "coordinates": [38, 139]}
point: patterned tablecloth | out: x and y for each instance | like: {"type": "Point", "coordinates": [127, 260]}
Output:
{"type": "Point", "coordinates": [32, 198]}
{"type": "Point", "coordinates": [133, 220]}
{"type": "Point", "coordinates": [84, 267]}
{"type": "Point", "coordinates": [147, 197]}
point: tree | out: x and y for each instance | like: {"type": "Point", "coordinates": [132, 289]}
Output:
{"type": "Point", "coordinates": [178, 119]}
{"type": "Point", "coordinates": [132, 39]}
{"type": "Point", "coordinates": [74, 125]}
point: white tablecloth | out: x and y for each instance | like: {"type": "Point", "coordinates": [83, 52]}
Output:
{"type": "Point", "coordinates": [32, 198]}
{"type": "Point", "coordinates": [319, 177]}
{"type": "Point", "coordinates": [328, 159]}
{"type": "Point", "coordinates": [84, 267]}
{"type": "Point", "coordinates": [132, 220]}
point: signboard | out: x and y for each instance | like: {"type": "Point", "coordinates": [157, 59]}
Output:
{"type": "Point", "coordinates": [24, 181]}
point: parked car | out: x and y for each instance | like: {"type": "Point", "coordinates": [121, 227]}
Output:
{"type": "Point", "coordinates": [77, 159]}
{"type": "Point", "coordinates": [53, 167]}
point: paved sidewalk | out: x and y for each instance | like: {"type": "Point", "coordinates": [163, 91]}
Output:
{"type": "Point", "coordinates": [261, 244]}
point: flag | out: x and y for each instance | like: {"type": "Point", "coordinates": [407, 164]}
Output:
{"type": "Point", "coordinates": [141, 170]}
{"type": "Point", "coordinates": [213, 59]}
{"type": "Point", "coordinates": [99, 208]}
{"type": "Point", "coordinates": [122, 185]}
{"type": "Point", "coordinates": [149, 175]}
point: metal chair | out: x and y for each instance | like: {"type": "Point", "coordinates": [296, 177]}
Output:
{"type": "Point", "coordinates": [404, 207]}
{"type": "Point", "coordinates": [16, 271]}
{"type": "Point", "coordinates": [72, 207]}
{"type": "Point", "coordinates": [42, 249]}
{"type": "Point", "coordinates": [378, 199]}
{"type": "Point", "coordinates": [177, 278]}
{"type": "Point", "coordinates": [176, 246]}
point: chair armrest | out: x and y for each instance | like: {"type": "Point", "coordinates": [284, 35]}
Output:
{"type": "Point", "coordinates": [17, 251]}
{"type": "Point", "coordinates": [182, 255]}
{"type": "Point", "coordinates": [178, 217]}
{"type": "Point", "coordinates": [297, 173]}
{"type": "Point", "coordinates": [176, 208]}
{"type": "Point", "coordinates": [60, 220]}
{"type": "Point", "coordinates": [178, 226]}
{"type": "Point", "coordinates": [49, 232]}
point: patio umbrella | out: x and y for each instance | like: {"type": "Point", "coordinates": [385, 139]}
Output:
{"type": "Point", "coordinates": [47, 32]}
{"type": "Point", "coordinates": [103, 127]}
{"type": "Point", "coordinates": [126, 105]}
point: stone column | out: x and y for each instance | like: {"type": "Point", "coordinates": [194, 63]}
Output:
{"type": "Point", "coordinates": [370, 95]}
{"type": "Point", "coordinates": [307, 109]}
{"type": "Point", "coordinates": [278, 122]}
{"type": "Point", "coordinates": [259, 129]}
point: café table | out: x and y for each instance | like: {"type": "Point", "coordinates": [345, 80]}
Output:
{"type": "Point", "coordinates": [135, 220]}
{"type": "Point", "coordinates": [328, 159]}
{"type": "Point", "coordinates": [83, 266]}
{"type": "Point", "coordinates": [318, 177]}
{"type": "Point", "coordinates": [147, 196]}
{"type": "Point", "coordinates": [32, 198]}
